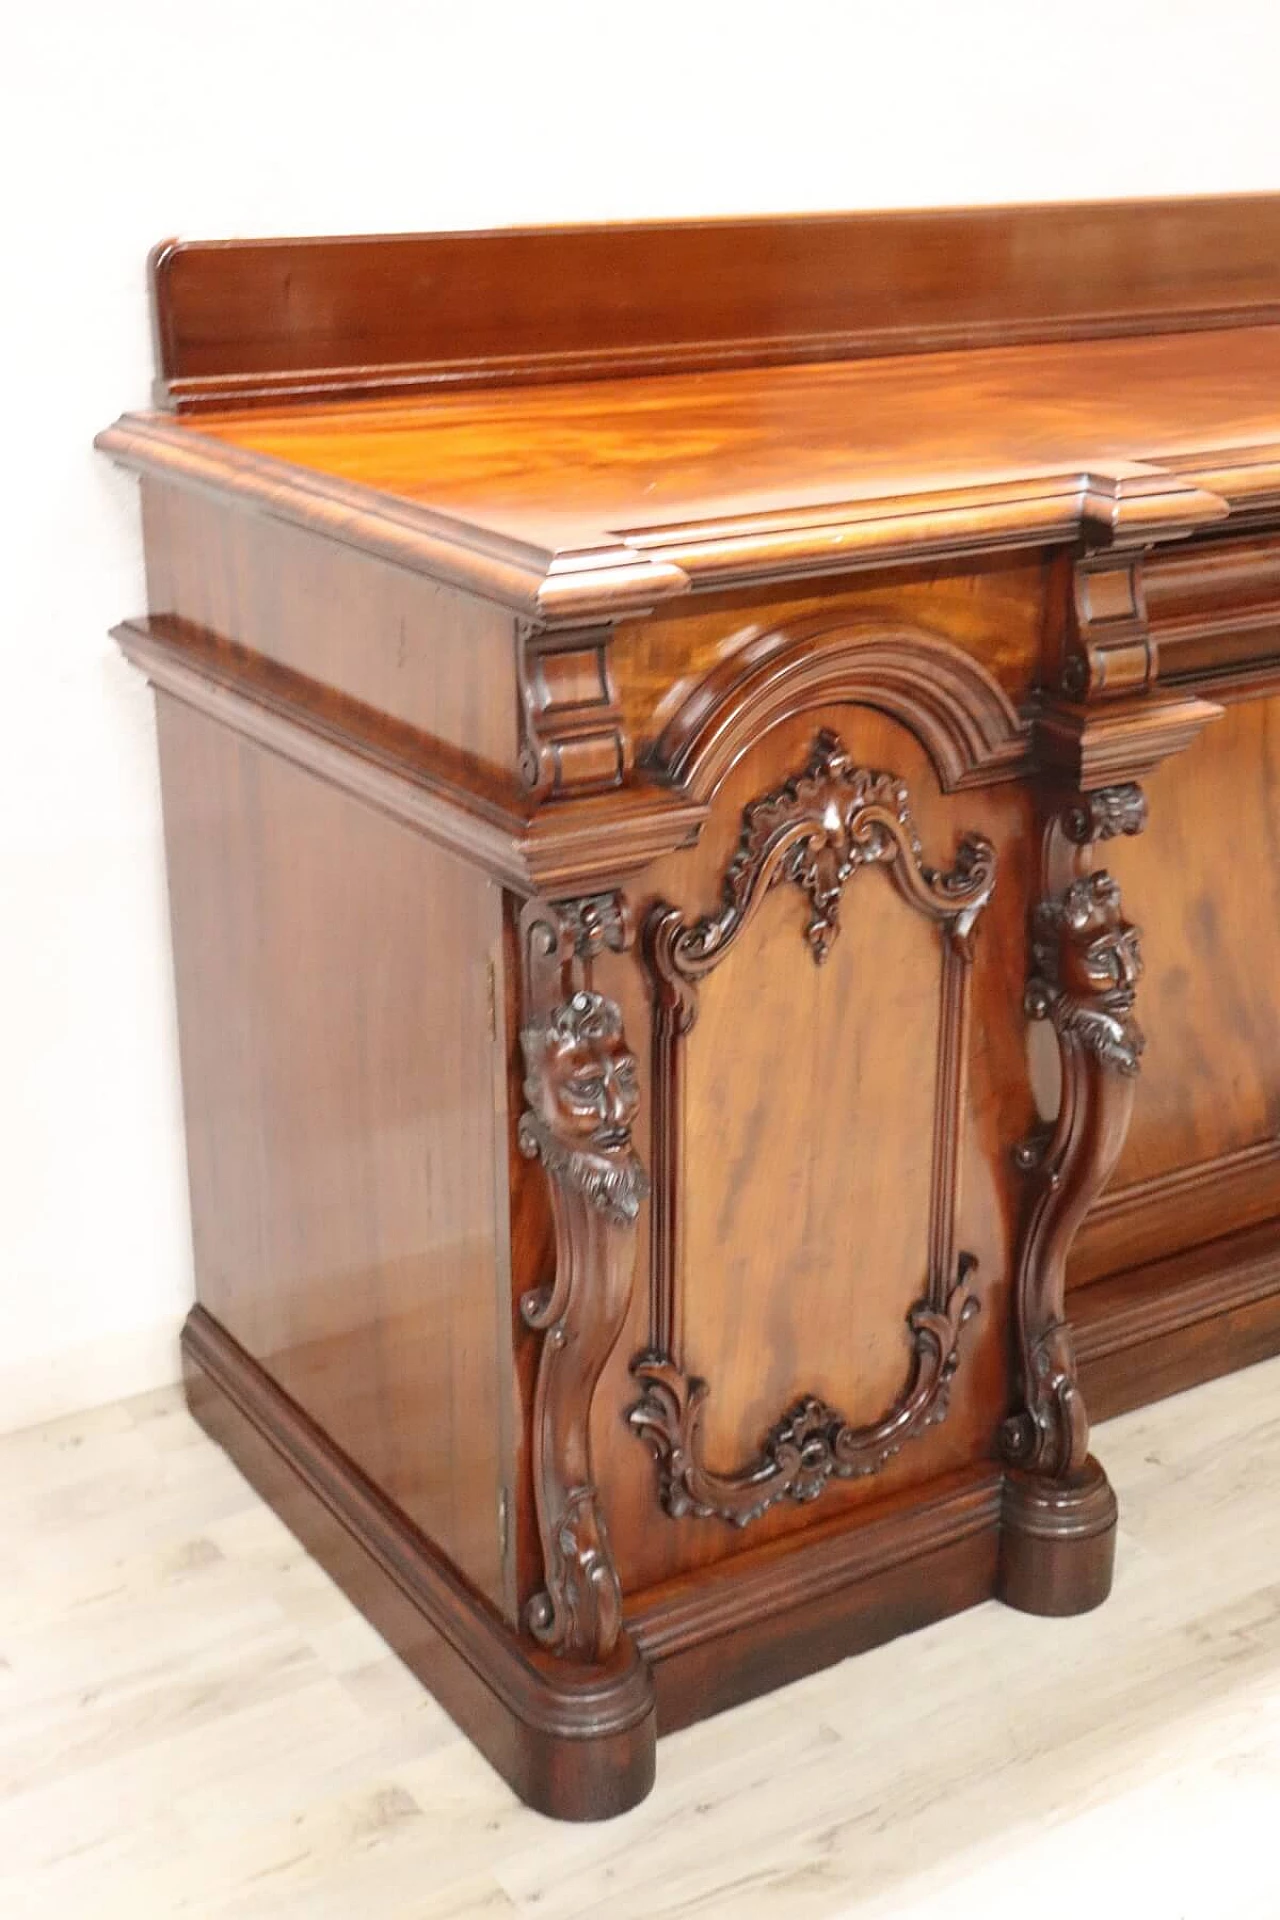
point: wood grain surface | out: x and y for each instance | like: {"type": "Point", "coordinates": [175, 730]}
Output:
{"type": "Point", "coordinates": [723, 857]}
{"type": "Point", "coordinates": [341, 1082]}
{"type": "Point", "coordinates": [594, 496]}
{"type": "Point", "coordinates": [261, 318]}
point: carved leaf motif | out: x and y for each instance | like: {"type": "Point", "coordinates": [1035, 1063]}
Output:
{"type": "Point", "coordinates": [1103, 814]}
{"type": "Point", "coordinates": [580, 1609]}
{"type": "Point", "coordinates": [816, 831]}
{"type": "Point", "coordinates": [811, 1444]}
{"type": "Point", "coordinates": [583, 1096]}
{"type": "Point", "coordinates": [1087, 961]}
{"type": "Point", "coordinates": [1054, 1423]}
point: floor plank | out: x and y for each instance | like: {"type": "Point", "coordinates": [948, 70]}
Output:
{"type": "Point", "coordinates": [193, 1721]}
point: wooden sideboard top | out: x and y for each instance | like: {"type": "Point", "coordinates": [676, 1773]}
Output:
{"type": "Point", "coordinates": [1147, 407]}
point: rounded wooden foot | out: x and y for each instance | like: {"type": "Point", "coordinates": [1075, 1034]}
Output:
{"type": "Point", "coordinates": [1058, 1542]}
{"type": "Point", "coordinates": [584, 1747]}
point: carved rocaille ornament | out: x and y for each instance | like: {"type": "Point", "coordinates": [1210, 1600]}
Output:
{"type": "Point", "coordinates": [812, 1443]}
{"type": "Point", "coordinates": [1051, 1433]}
{"type": "Point", "coordinates": [1104, 814]}
{"type": "Point", "coordinates": [815, 831]}
{"type": "Point", "coordinates": [579, 1611]}
{"type": "Point", "coordinates": [595, 923]}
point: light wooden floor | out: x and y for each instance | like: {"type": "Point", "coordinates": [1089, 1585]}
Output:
{"type": "Point", "coordinates": [195, 1722]}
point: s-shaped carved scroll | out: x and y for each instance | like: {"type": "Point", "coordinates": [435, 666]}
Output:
{"type": "Point", "coordinates": [815, 831]}
{"type": "Point", "coordinates": [582, 1093]}
{"type": "Point", "coordinates": [1086, 963]}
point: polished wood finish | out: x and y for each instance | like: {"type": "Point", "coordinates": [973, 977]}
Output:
{"type": "Point", "coordinates": [260, 320]}
{"type": "Point", "coordinates": [816, 831]}
{"type": "Point", "coordinates": [1173, 1322]}
{"type": "Point", "coordinates": [341, 1134]}
{"type": "Point", "coordinates": [923, 457]}
{"type": "Point", "coordinates": [768, 1616]}
{"type": "Point", "coordinates": [575, 1742]}
{"type": "Point", "coordinates": [724, 886]}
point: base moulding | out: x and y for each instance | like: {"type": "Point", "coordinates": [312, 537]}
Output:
{"type": "Point", "coordinates": [1175, 1323]}
{"type": "Point", "coordinates": [578, 1742]}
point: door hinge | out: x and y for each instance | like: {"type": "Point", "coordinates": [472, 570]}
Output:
{"type": "Point", "coordinates": [491, 996]}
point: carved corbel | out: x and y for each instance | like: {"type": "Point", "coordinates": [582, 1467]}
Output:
{"type": "Point", "coordinates": [1112, 651]}
{"type": "Point", "coordinates": [582, 1094]}
{"type": "Point", "coordinates": [1086, 962]}
{"type": "Point", "coordinates": [1108, 720]}
{"type": "Point", "coordinates": [575, 740]}
{"type": "Point", "coordinates": [1107, 726]}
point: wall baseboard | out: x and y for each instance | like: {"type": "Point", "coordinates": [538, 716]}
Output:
{"type": "Point", "coordinates": [71, 1380]}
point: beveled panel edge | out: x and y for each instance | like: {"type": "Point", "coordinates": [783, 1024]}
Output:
{"type": "Point", "coordinates": [963, 718]}
{"type": "Point", "coordinates": [1122, 502]}
{"type": "Point", "coordinates": [1213, 611]}
{"type": "Point", "coordinates": [1161, 1328]}
{"type": "Point", "coordinates": [620, 572]}
{"type": "Point", "coordinates": [1199, 1173]}
{"type": "Point", "coordinates": [553, 1696]}
{"type": "Point", "coordinates": [799, 1569]}
{"type": "Point", "coordinates": [1176, 1291]}
{"type": "Point", "coordinates": [528, 579]}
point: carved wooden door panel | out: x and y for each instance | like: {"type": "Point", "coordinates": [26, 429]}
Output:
{"type": "Point", "coordinates": [811, 1295]}
{"type": "Point", "coordinates": [822, 828]}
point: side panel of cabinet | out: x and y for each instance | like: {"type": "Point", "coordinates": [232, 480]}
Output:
{"type": "Point", "coordinates": [408, 648]}
{"type": "Point", "coordinates": [344, 1104]}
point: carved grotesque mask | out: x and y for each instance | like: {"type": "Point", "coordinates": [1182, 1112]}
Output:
{"type": "Point", "coordinates": [582, 1076]}
{"type": "Point", "coordinates": [1100, 959]}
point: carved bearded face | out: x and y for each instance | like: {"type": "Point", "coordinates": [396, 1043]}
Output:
{"type": "Point", "coordinates": [582, 1076]}
{"type": "Point", "coordinates": [1100, 958]}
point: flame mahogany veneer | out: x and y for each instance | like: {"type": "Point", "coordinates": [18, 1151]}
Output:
{"type": "Point", "coordinates": [667, 734]}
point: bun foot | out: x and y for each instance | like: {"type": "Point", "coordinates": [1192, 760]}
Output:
{"type": "Point", "coordinates": [1058, 1541]}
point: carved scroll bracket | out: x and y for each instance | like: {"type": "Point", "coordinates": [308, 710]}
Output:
{"type": "Point", "coordinates": [815, 832]}
{"type": "Point", "coordinates": [1086, 964]}
{"type": "Point", "coordinates": [1111, 652]}
{"type": "Point", "coordinates": [1109, 721]}
{"type": "Point", "coordinates": [561, 939]}
{"type": "Point", "coordinates": [575, 739]}
{"type": "Point", "coordinates": [582, 1093]}
{"type": "Point", "coordinates": [1108, 726]}
{"type": "Point", "coordinates": [1091, 817]}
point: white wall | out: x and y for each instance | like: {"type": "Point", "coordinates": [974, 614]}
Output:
{"type": "Point", "coordinates": [122, 123]}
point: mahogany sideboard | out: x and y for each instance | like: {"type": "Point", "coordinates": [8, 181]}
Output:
{"type": "Point", "coordinates": [663, 730]}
